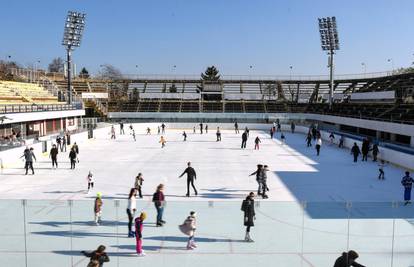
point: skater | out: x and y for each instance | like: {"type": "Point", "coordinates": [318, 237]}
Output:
{"type": "Point", "coordinates": [247, 131]}
{"type": "Point", "coordinates": [355, 151]}
{"type": "Point", "coordinates": [159, 202]}
{"type": "Point", "coordinates": [63, 143]}
{"type": "Point", "coordinates": [318, 146]}
{"type": "Point", "coordinates": [263, 181]}
{"type": "Point", "coordinates": [133, 135]}
{"type": "Point", "coordinates": [113, 132]}
{"type": "Point", "coordinates": [121, 128]}
{"type": "Point", "coordinates": [282, 138]}
{"type": "Point", "coordinates": [381, 175]}
{"type": "Point", "coordinates": [28, 157]}
{"type": "Point", "coordinates": [271, 133]}
{"type": "Point", "coordinates": [162, 141]}
{"type": "Point", "coordinates": [259, 178]}
{"type": "Point", "coordinates": [98, 255]}
{"type": "Point", "coordinates": [188, 228]}
{"type": "Point", "coordinates": [53, 155]}
{"type": "Point", "coordinates": [279, 127]}
{"type": "Point", "coordinates": [163, 128]}
{"type": "Point", "coordinates": [98, 208]}
{"type": "Point", "coordinates": [139, 180]}
{"type": "Point", "coordinates": [256, 143]}
{"type": "Point", "coordinates": [236, 127]}
{"type": "Point", "coordinates": [244, 139]}
{"type": "Point", "coordinates": [158, 130]}
{"type": "Point", "coordinates": [314, 133]}
{"type": "Point", "coordinates": [148, 131]}
{"type": "Point", "coordinates": [206, 128]}
{"type": "Point", "coordinates": [365, 149]}
{"type": "Point", "coordinates": [194, 130]}
{"type": "Point", "coordinates": [191, 177]}
{"type": "Point", "coordinates": [132, 207]}
{"type": "Point", "coordinates": [185, 136]}
{"type": "Point", "coordinates": [218, 134]}
{"type": "Point", "coordinates": [249, 215]}
{"type": "Point", "coordinates": [292, 127]}
{"type": "Point", "coordinates": [90, 180]}
{"type": "Point", "coordinates": [130, 128]}
{"type": "Point", "coordinates": [407, 182]}
{"type": "Point", "coordinates": [72, 157]}
{"type": "Point", "coordinates": [59, 142]}
{"type": "Point", "coordinates": [375, 152]}
{"type": "Point", "coordinates": [201, 127]}
{"type": "Point", "coordinates": [348, 259]}
{"type": "Point", "coordinates": [309, 140]}
{"type": "Point", "coordinates": [139, 225]}
{"type": "Point", "coordinates": [341, 141]}
{"type": "Point", "coordinates": [332, 138]}
{"type": "Point", "coordinates": [76, 148]}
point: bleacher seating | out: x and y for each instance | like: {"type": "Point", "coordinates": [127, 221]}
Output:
{"type": "Point", "coordinates": [212, 106]}
{"type": "Point", "coordinates": [24, 93]}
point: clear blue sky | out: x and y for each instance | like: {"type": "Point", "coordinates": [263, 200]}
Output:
{"type": "Point", "coordinates": [269, 35]}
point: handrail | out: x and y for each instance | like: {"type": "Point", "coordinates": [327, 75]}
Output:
{"type": "Point", "coordinates": [22, 108]}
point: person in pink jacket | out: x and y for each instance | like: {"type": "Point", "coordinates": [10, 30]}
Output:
{"type": "Point", "coordinates": [139, 224]}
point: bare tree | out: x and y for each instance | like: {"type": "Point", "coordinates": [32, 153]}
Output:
{"type": "Point", "coordinates": [56, 65]}
{"type": "Point", "coordinates": [110, 72]}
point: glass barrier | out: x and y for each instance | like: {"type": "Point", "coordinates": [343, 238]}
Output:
{"type": "Point", "coordinates": [54, 232]}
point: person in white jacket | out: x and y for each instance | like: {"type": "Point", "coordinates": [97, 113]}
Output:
{"type": "Point", "coordinates": [188, 228]}
{"type": "Point", "coordinates": [132, 207]}
{"type": "Point", "coordinates": [318, 145]}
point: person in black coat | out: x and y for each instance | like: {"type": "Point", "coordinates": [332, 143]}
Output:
{"type": "Point", "coordinates": [309, 140]}
{"type": "Point", "coordinates": [191, 176]}
{"type": "Point", "coordinates": [249, 215]}
{"type": "Point", "coordinates": [201, 128]}
{"type": "Point", "coordinates": [53, 155]}
{"type": "Point", "coordinates": [355, 151]}
{"type": "Point", "coordinates": [72, 157]}
{"type": "Point", "coordinates": [365, 149]}
{"type": "Point", "coordinates": [375, 152]}
{"type": "Point", "coordinates": [97, 255]}
{"type": "Point", "coordinates": [348, 260]}
{"type": "Point", "coordinates": [244, 140]}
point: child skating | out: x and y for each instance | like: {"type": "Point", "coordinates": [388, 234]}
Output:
{"type": "Point", "coordinates": [139, 225]}
{"type": "Point", "coordinates": [185, 136]}
{"type": "Point", "coordinates": [162, 141]}
{"type": "Point", "coordinates": [98, 208]}
{"type": "Point", "coordinates": [256, 143]}
{"type": "Point", "coordinates": [188, 228]}
{"type": "Point", "coordinates": [133, 135]}
{"type": "Point", "coordinates": [381, 175]}
{"type": "Point", "coordinates": [138, 184]}
{"type": "Point", "coordinates": [90, 180]}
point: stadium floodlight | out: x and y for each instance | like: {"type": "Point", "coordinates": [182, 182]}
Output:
{"type": "Point", "coordinates": [72, 37]}
{"type": "Point", "coordinates": [329, 43]}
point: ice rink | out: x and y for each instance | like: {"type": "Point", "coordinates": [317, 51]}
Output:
{"type": "Point", "coordinates": [317, 206]}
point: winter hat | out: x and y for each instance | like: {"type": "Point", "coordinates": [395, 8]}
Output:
{"type": "Point", "coordinates": [143, 216]}
{"type": "Point", "coordinates": [352, 254]}
{"type": "Point", "coordinates": [193, 213]}
{"type": "Point", "coordinates": [99, 194]}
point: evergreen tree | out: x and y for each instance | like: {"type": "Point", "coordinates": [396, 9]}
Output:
{"type": "Point", "coordinates": [84, 73]}
{"type": "Point", "coordinates": [211, 74]}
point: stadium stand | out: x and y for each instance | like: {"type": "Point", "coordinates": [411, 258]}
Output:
{"type": "Point", "coordinates": [25, 93]}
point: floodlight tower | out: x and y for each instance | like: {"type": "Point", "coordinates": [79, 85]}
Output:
{"type": "Point", "coordinates": [330, 44]}
{"type": "Point", "coordinates": [72, 36]}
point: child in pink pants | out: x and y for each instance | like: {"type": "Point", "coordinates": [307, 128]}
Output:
{"type": "Point", "coordinates": [138, 233]}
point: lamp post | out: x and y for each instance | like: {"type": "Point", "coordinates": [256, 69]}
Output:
{"type": "Point", "coordinates": [330, 44]}
{"type": "Point", "coordinates": [72, 36]}
{"type": "Point", "coordinates": [365, 68]}
{"type": "Point", "coordinates": [390, 60]}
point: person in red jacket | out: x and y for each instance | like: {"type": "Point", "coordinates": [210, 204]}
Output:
{"type": "Point", "coordinates": [139, 225]}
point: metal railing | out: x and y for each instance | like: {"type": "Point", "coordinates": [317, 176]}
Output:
{"type": "Point", "coordinates": [5, 109]}
{"type": "Point", "coordinates": [230, 77]}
